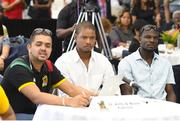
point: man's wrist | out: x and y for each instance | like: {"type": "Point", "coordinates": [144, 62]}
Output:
{"type": "Point", "coordinates": [67, 101]}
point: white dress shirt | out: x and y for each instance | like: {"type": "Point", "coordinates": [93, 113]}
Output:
{"type": "Point", "coordinates": [72, 67]}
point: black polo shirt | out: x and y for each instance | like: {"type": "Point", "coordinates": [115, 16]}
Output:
{"type": "Point", "coordinates": [18, 77]}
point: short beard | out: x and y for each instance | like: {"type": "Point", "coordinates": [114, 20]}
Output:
{"type": "Point", "coordinates": [148, 50]}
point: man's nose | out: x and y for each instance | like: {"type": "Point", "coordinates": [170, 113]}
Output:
{"type": "Point", "coordinates": [88, 40]}
{"type": "Point", "coordinates": [43, 47]}
{"type": "Point", "coordinates": [152, 39]}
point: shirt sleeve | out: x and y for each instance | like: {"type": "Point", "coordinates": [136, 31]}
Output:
{"type": "Point", "coordinates": [114, 36]}
{"type": "Point", "coordinates": [62, 18]}
{"type": "Point", "coordinates": [124, 69]}
{"type": "Point", "coordinates": [20, 77]}
{"type": "Point", "coordinates": [57, 77]}
{"type": "Point", "coordinates": [170, 79]}
{"type": "Point", "coordinates": [4, 103]}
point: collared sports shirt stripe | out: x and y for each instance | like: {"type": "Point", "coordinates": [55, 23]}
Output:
{"type": "Point", "coordinates": [24, 85]}
{"type": "Point", "coordinates": [59, 83]}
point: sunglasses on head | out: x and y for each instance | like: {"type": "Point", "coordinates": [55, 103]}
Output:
{"type": "Point", "coordinates": [148, 28]}
{"type": "Point", "coordinates": [41, 30]}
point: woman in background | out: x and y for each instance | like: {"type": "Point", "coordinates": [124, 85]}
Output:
{"type": "Point", "coordinates": [107, 25]}
{"type": "Point", "coordinates": [13, 8]}
{"type": "Point", "coordinates": [122, 33]}
{"type": "Point", "coordinates": [144, 9]}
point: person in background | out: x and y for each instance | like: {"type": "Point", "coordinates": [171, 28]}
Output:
{"type": "Point", "coordinates": [147, 69]}
{"type": "Point", "coordinates": [13, 8]}
{"type": "Point", "coordinates": [94, 69]}
{"type": "Point", "coordinates": [176, 19]}
{"type": "Point", "coordinates": [41, 9]}
{"type": "Point", "coordinates": [29, 79]}
{"type": "Point", "coordinates": [103, 7]}
{"type": "Point", "coordinates": [66, 22]}
{"type": "Point", "coordinates": [143, 9]}
{"type": "Point", "coordinates": [135, 43]}
{"type": "Point", "coordinates": [6, 111]}
{"type": "Point", "coordinates": [162, 11]}
{"type": "Point", "coordinates": [122, 33]}
{"type": "Point", "coordinates": [107, 25]}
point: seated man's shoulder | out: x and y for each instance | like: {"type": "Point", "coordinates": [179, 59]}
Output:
{"type": "Point", "coordinates": [163, 60]}
{"type": "Point", "coordinates": [100, 56]}
{"type": "Point", "coordinates": [67, 56]}
{"type": "Point", "coordinates": [131, 56]}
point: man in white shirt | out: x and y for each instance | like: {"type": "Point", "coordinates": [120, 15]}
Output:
{"type": "Point", "coordinates": [83, 66]}
{"type": "Point", "coordinates": [146, 68]}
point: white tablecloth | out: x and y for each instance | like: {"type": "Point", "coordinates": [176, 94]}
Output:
{"type": "Point", "coordinates": [173, 58]}
{"type": "Point", "coordinates": [117, 108]}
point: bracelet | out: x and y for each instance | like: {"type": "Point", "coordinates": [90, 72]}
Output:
{"type": "Point", "coordinates": [63, 103]}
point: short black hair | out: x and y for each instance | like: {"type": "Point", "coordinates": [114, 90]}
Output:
{"type": "Point", "coordinates": [40, 31]}
{"type": "Point", "coordinates": [85, 24]}
{"type": "Point", "coordinates": [138, 24]}
{"type": "Point", "coordinates": [148, 27]}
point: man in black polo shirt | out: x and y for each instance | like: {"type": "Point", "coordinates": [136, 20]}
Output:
{"type": "Point", "coordinates": [28, 80]}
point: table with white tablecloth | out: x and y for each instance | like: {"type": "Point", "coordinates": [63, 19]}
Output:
{"type": "Point", "coordinates": [173, 56]}
{"type": "Point", "coordinates": [108, 108]}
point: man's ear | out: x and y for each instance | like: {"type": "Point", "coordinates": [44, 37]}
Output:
{"type": "Point", "coordinates": [28, 47]}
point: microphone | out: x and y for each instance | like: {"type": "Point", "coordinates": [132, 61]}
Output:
{"type": "Point", "coordinates": [133, 84]}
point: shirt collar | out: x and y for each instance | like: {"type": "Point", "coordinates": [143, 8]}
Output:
{"type": "Point", "coordinates": [138, 56]}
{"type": "Point", "coordinates": [77, 58]}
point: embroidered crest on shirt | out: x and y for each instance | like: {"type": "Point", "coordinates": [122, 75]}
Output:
{"type": "Point", "coordinates": [45, 81]}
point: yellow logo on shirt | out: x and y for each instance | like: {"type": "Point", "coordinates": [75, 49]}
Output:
{"type": "Point", "coordinates": [45, 81]}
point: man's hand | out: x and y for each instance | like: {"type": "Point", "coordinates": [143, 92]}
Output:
{"type": "Point", "coordinates": [81, 100]}
{"type": "Point", "coordinates": [88, 92]}
{"type": "Point", "coordinates": [73, 27]}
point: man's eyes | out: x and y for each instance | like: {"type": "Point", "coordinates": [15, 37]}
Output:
{"type": "Point", "coordinates": [84, 37]}
{"type": "Point", "coordinates": [40, 44]}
